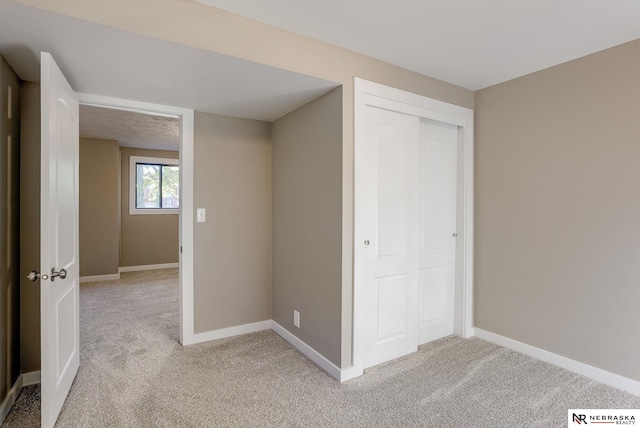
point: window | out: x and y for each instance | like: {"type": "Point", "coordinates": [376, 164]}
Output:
{"type": "Point", "coordinates": [154, 185]}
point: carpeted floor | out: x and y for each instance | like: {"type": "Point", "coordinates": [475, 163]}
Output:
{"type": "Point", "coordinates": [133, 373]}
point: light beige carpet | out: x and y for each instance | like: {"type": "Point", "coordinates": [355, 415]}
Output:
{"type": "Point", "coordinates": [134, 373]}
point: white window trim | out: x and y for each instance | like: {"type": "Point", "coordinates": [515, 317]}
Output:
{"type": "Point", "coordinates": [133, 160]}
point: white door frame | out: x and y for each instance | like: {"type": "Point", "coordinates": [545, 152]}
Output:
{"type": "Point", "coordinates": [186, 117]}
{"type": "Point", "coordinates": [374, 94]}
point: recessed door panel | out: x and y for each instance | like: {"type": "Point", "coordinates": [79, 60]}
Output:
{"type": "Point", "coordinates": [392, 308]}
{"type": "Point", "coordinates": [436, 192]}
{"type": "Point", "coordinates": [393, 197]}
{"type": "Point", "coordinates": [433, 295]}
{"type": "Point", "coordinates": [66, 215]}
{"type": "Point", "coordinates": [66, 347]}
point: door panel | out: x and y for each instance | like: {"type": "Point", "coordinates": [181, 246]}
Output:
{"type": "Point", "coordinates": [392, 298]}
{"type": "Point", "coordinates": [65, 189]}
{"type": "Point", "coordinates": [433, 288]}
{"type": "Point", "coordinates": [59, 297]}
{"type": "Point", "coordinates": [438, 158]}
{"type": "Point", "coordinates": [391, 276]}
{"type": "Point", "coordinates": [393, 198]}
{"type": "Point", "coordinates": [66, 321]}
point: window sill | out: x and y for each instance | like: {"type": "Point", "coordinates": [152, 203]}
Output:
{"type": "Point", "coordinates": [154, 211]}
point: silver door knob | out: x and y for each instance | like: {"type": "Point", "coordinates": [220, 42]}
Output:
{"type": "Point", "coordinates": [62, 273]}
{"type": "Point", "coordinates": [33, 275]}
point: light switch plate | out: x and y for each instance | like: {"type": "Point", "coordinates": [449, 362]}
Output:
{"type": "Point", "coordinates": [201, 215]}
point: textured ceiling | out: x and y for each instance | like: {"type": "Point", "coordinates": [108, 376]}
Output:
{"type": "Point", "coordinates": [130, 129]}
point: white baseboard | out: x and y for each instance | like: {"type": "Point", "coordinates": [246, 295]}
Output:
{"type": "Point", "coordinates": [612, 379]}
{"type": "Point", "coordinates": [227, 332]}
{"type": "Point", "coordinates": [312, 354]}
{"type": "Point", "coordinates": [31, 378]}
{"type": "Point", "coordinates": [92, 278]}
{"type": "Point", "coordinates": [147, 267]}
{"type": "Point", "coordinates": [5, 407]}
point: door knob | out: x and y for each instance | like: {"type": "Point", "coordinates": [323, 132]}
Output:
{"type": "Point", "coordinates": [62, 273]}
{"type": "Point", "coordinates": [33, 275]}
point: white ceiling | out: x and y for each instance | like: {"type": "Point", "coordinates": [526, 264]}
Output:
{"type": "Point", "coordinates": [101, 60]}
{"type": "Point", "coordinates": [471, 43]}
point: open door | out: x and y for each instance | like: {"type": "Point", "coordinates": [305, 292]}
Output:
{"type": "Point", "coordinates": [59, 285]}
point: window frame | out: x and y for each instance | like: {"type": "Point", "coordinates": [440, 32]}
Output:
{"type": "Point", "coordinates": [133, 161]}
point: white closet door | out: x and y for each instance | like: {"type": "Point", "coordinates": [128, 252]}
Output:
{"type": "Point", "coordinates": [438, 185]}
{"type": "Point", "coordinates": [392, 221]}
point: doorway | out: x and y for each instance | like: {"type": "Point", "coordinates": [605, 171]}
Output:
{"type": "Point", "coordinates": [185, 263]}
{"type": "Point", "coordinates": [413, 237]}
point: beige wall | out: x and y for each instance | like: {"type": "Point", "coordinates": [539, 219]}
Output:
{"type": "Point", "coordinates": [204, 27]}
{"type": "Point", "coordinates": [557, 230]}
{"type": "Point", "coordinates": [29, 227]}
{"type": "Point", "coordinates": [9, 228]}
{"type": "Point", "coordinates": [232, 249]}
{"type": "Point", "coordinates": [99, 205]}
{"type": "Point", "coordinates": [307, 204]}
{"type": "Point", "coordinates": [146, 239]}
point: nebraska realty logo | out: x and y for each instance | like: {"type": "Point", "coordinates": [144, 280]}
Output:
{"type": "Point", "coordinates": [603, 417]}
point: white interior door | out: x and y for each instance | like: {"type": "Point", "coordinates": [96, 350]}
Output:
{"type": "Point", "coordinates": [391, 259]}
{"type": "Point", "coordinates": [59, 290]}
{"type": "Point", "coordinates": [438, 169]}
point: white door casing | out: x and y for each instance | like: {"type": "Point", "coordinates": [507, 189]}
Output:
{"type": "Point", "coordinates": [393, 242]}
{"type": "Point", "coordinates": [460, 122]}
{"type": "Point", "coordinates": [438, 191]}
{"type": "Point", "coordinates": [59, 297]}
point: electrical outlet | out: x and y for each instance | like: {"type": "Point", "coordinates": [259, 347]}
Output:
{"type": "Point", "coordinates": [296, 318]}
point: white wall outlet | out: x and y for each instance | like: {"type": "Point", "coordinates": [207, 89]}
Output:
{"type": "Point", "coordinates": [201, 215]}
{"type": "Point", "coordinates": [296, 318]}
